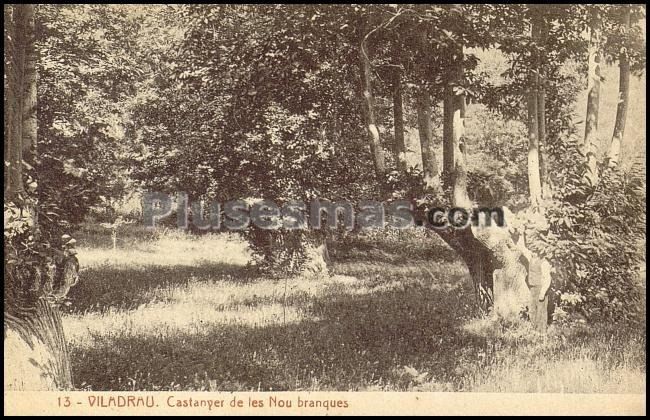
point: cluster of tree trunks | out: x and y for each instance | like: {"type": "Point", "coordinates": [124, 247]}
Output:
{"type": "Point", "coordinates": [593, 100]}
{"type": "Point", "coordinates": [36, 355]}
{"type": "Point", "coordinates": [494, 260]}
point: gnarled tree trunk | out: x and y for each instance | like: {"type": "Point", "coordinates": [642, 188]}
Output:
{"type": "Point", "coordinates": [490, 253]}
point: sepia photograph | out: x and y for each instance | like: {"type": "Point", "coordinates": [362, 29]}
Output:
{"type": "Point", "coordinates": [328, 209]}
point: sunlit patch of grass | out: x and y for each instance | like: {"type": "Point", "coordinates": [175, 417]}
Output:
{"type": "Point", "coordinates": [577, 359]}
{"type": "Point", "coordinates": [172, 321]}
{"type": "Point", "coordinates": [141, 247]}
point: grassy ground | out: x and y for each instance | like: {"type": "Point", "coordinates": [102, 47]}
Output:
{"type": "Point", "coordinates": [170, 311]}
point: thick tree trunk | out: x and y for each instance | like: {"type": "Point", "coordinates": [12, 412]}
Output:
{"type": "Point", "coordinates": [36, 355]}
{"type": "Point", "coordinates": [623, 99]}
{"type": "Point", "coordinates": [398, 123]}
{"type": "Point", "coordinates": [316, 256]}
{"type": "Point", "coordinates": [593, 101]}
{"type": "Point", "coordinates": [369, 111]}
{"type": "Point", "coordinates": [425, 131]}
{"type": "Point", "coordinates": [479, 260]}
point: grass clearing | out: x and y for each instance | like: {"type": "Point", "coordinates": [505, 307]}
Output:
{"type": "Point", "coordinates": [177, 312]}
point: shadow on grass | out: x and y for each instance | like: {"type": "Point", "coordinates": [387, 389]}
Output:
{"type": "Point", "coordinates": [396, 252]}
{"type": "Point", "coordinates": [347, 342]}
{"type": "Point", "coordinates": [104, 286]}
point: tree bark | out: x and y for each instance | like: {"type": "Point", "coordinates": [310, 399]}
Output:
{"type": "Point", "coordinates": [425, 131]}
{"type": "Point", "coordinates": [593, 99]}
{"type": "Point", "coordinates": [623, 98]}
{"type": "Point", "coordinates": [398, 123]}
{"type": "Point", "coordinates": [369, 111]}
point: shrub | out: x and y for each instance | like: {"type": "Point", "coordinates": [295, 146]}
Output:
{"type": "Point", "coordinates": [595, 236]}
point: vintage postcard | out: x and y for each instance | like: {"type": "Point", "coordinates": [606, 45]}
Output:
{"type": "Point", "coordinates": [324, 209]}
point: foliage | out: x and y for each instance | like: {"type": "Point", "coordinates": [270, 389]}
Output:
{"type": "Point", "coordinates": [85, 74]}
{"type": "Point", "coordinates": [593, 237]}
{"type": "Point", "coordinates": [623, 39]}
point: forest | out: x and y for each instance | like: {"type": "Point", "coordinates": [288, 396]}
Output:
{"type": "Point", "coordinates": [114, 113]}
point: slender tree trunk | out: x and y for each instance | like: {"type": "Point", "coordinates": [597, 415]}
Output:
{"type": "Point", "coordinates": [36, 355]}
{"type": "Point", "coordinates": [448, 145]}
{"type": "Point", "coordinates": [534, 114]}
{"type": "Point", "coordinates": [537, 171]}
{"type": "Point", "coordinates": [534, 180]}
{"type": "Point", "coordinates": [453, 120]}
{"type": "Point", "coordinates": [15, 73]}
{"type": "Point", "coordinates": [369, 111]}
{"type": "Point", "coordinates": [425, 130]}
{"type": "Point", "coordinates": [623, 98]}
{"type": "Point", "coordinates": [398, 122]}
{"type": "Point", "coordinates": [593, 100]}
{"type": "Point", "coordinates": [541, 128]}
{"type": "Point", "coordinates": [541, 35]}
{"type": "Point", "coordinates": [454, 104]}
{"type": "Point", "coordinates": [461, 197]}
